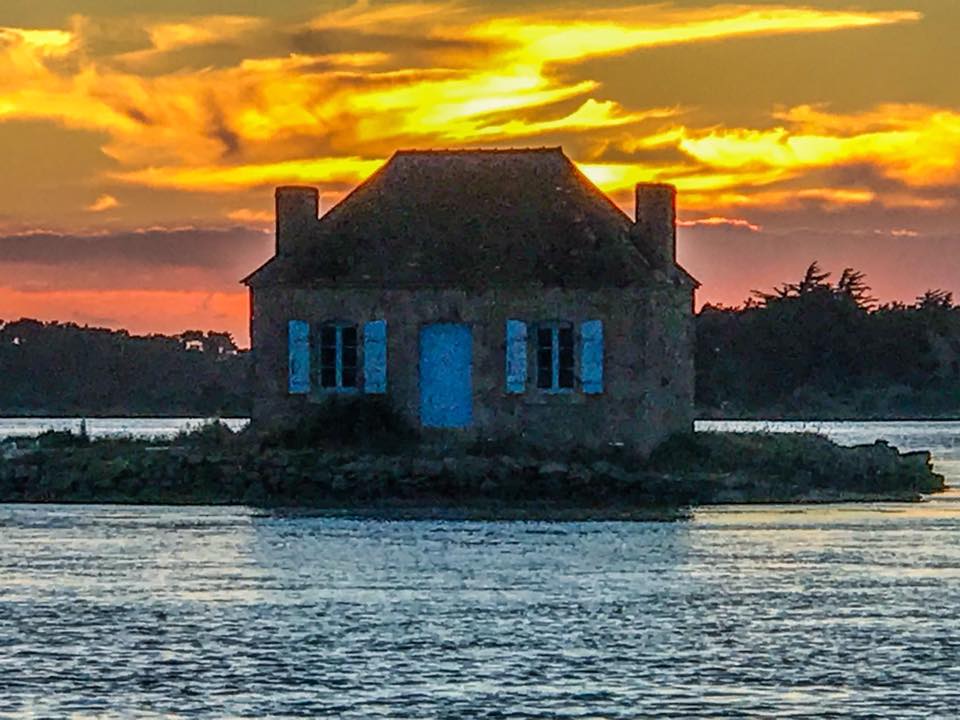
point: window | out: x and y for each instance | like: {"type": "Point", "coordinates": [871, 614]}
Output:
{"type": "Point", "coordinates": [338, 357]}
{"type": "Point", "coordinates": [555, 356]}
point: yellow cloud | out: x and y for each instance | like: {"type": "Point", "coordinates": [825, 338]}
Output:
{"type": "Point", "coordinates": [331, 118]}
{"type": "Point", "coordinates": [917, 145]}
{"type": "Point", "coordinates": [361, 16]}
{"type": "Point", "coordinates": [537, 41]}
{"type": "Point", "coordinates": [44, 42]}
{"type": "Point", "coordinates": [246, 215]}
{"type": "Point", "coordinates": [104, 202]}
{"type": "Point", "coordinates": [716, 221]}
{"type": "Point", "coordinates": [169, 37]}
{"type": "Point", "coordinates": [347, 170]}
{"type": "Point", "coordinates": [200, 31]}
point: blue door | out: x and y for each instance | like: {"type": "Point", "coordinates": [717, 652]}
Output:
{"type": "Point", "coordinates": [446, 385]}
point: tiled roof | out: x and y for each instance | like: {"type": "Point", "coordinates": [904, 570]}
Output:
{"type": "Point", "coordinates": [468, 218]}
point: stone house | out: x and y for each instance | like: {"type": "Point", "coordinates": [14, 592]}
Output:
{"type": "Point", "coordinates": [487, 294]}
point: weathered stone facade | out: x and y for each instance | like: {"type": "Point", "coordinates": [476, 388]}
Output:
{"type": "Point", "coordinates": [647, 351]}
{"type": "Point", "coordinates": [648, 366]}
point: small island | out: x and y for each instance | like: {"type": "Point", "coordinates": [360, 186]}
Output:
{"type": "Point", "coordinates": [359, 458]}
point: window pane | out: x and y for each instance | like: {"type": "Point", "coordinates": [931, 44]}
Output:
{"type": "Point", "coordinates": [349, 356]}
{"type": "Point", "coordinates": [350, 336]}
{"type": "Point", "coordinates": [328, 377]}
{"type": "Point", "coordinates": [349, 376]}
{"type": "Point", "coordinates": [328, 356]}
{"type": "Point", "coordinates": [544, 376]}
{"type": "Point", "coordinates": [328, 336]}
{"type": "Point", "coordinates": [544, 338]}
{"type": "Point", "coordinates": [545, 357]}
{"type": "Point", "coordinates": [566, 358]}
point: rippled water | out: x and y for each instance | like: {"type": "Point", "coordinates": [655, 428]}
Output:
{"type": "Point", "coordinates": [124, 612]}
{"type": "Point", "coordinates": [778, 611]}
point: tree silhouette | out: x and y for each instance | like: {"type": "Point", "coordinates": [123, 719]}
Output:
{"type": "Point", "coordinates": [811, 344]}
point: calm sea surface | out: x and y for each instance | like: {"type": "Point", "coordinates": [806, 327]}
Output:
{"type": "Point", "coordinates": [777, 611]}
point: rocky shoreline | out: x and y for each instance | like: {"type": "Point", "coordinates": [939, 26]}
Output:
{"type": "Point", "coordinates": [216, 466]}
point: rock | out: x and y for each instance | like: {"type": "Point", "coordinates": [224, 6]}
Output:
{"type": "Point", "coordinates": [580, 474]}
{"type": "Point", "coordinates": [427, 468]}
{"type": "Point", "coordinates": [475, 470]}
{"type": "Point", "coordinates": [553, 470]}
{"type": "Point", "coordinates": [451, 465]}
{"type": "Point", "coordinates": [10, 451]}
{"type": "Point", "coordinates": [510, 463]}
{"type": "Point", "coordinates": [489, 486]}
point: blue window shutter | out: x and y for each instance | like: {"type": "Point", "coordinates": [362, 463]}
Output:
{"type": "Point", "coordinates": [375, 357]}
{"type": "Point", "coordinates": [516, 356]}
{"type": "Point", "coordinates": [591, 356]}
{"type": "Point", "coordinates": [298, 344]}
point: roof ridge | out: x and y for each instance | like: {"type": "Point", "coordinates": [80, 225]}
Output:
{"type": "Point", "coordinates": [479, 151]}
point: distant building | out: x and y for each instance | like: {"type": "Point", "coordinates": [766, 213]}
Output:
{"type": "Point", "coordinates": [488, 294]}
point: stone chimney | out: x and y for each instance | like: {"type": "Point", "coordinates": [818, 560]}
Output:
{"type": "Point", "coordinates": [656, 222]}
{"type": "Point", "coordinates": [298, 209]}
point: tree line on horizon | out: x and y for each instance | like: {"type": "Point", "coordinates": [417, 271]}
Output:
{"type": "Point", "coordinates": [64, 369]}
{"type": "Point", "coordinates": [819, 348]}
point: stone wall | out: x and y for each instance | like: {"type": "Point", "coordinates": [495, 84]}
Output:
{"type": "Point", "coordinates": [648, 358]}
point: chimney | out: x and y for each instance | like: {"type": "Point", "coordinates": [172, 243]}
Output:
{"type": "Point", "coordinates": [297, 210]}
{"type": "Point", "coordinates": [656, 222]}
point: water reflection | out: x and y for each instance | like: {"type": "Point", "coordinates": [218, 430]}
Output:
{"type": "Point", "coordinates": [206, 612]}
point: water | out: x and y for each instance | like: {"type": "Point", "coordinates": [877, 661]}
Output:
{"type": "Point", "coordinates": [776, 611]}
{"type": "Point", "coordinates": [111, 427]}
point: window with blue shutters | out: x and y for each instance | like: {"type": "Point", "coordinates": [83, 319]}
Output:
{"type": "Point", "coordinates": [338, 357]}
{"type": "Point", "coordinates": [375, 357]}
{"type": "Point", "coordinates": [516, 356]}
{"type": "Point", "coordinates": [298, 357]}
{"type": "Point", "coordinates": [555, 357]}
{"type": "Point", "coordinates": [591, 357]}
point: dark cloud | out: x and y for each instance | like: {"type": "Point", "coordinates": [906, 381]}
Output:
{"type": "Point", "coordinates": [137, 115]}
{"type": "Point", "coordinates": [231, 252]}
{"type": "Point", "coordinates": [662, 155]}
{"type": "Point", "coordinates": [220, 130]}
{"type": "Point", "coordinates": [318, 41]}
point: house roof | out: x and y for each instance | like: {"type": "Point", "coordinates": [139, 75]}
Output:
{"type": "Point", "coordinates": [467, 218]}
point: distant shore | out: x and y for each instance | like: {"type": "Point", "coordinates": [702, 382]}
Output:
{"type": "Point", "coordinates": [214, 465]}
{"type": "Point", "coordinates": [823, 416]}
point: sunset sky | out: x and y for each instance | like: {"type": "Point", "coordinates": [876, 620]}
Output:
{"type": "Point", "coordinates": [140, 147]}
